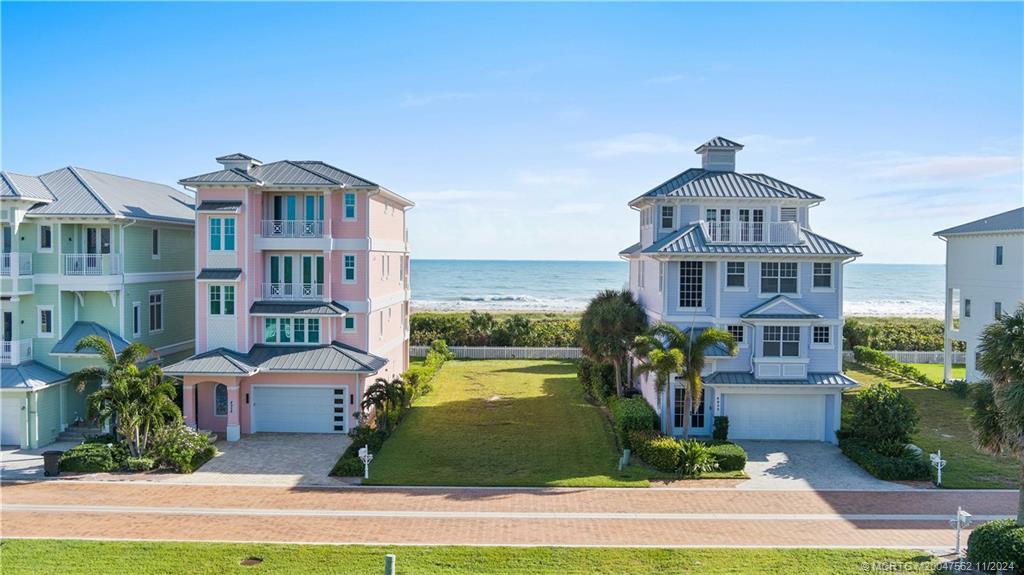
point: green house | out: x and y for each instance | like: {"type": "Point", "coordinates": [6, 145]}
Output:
{"type": "Point", "coordinates": [85, 252]}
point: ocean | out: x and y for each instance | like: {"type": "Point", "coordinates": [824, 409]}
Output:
{"type": "Point", "coordinates": [522, 285]}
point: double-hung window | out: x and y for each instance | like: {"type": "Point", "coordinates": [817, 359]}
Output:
{"type": "Point", "coordinates": [779, 277]}
{"type": "Point", "coordinates": [736, 274]}
{"type": "Point", "coordinates": [667, 218]}
{"type": "Point", "coordinates": [156, 311]}
{"type": "Point", "coordinates": [350, 206]}
{"type": "Point", "coordinates": [222, 234]}
{"type": "Point", "coordinates": [822, 275]}
{"type": "Point", "coordinates": [781, 341]}
{"type": "Point", "coordinates": [222, 300]}
{"type": "Point", "coordinates": [348, 273]}
{"type": "Point", "coordinates": [691, 284]}
{"type": "Point", "coordinates": [45, 327]}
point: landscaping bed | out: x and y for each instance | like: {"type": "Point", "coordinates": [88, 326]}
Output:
{"type": "Point", "coordinates": [144, 558]}
{"type": "Point", "coordinates": [175, 447]}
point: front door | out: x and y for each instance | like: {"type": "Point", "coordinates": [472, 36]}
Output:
{"type": "Point", "coordinates": [8, 321]}
{"type": "Point", "coordinates": [698, 420]}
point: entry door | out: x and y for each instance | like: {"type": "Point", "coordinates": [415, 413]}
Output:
{"type": "Point", "coordinates": [698, 420]}
{"type": "Point", "coordinates": [8, 320]}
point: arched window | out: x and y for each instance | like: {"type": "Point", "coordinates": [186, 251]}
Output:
{"type": "Point", "coordinates": [220, 399]}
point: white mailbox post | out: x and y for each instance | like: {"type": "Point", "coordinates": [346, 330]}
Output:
{"type": "Point", "coordinates": [366, 457]}
{"type": "Point", "coordinates": [938, 463]}
{"type": "Point", "coordinates": [963, 519]}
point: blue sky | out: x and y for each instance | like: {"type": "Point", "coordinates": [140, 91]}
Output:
{"type": "Point", "coordinates": [522, 130]}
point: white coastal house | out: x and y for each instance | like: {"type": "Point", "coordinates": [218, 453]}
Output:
{"type": "Point", "coordinates": [736, 251]}
{"type": "Point", "coordinates": [984, 278]}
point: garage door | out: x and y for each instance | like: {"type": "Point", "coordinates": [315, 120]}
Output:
{"type": "Point", "coordinates": [775, 416]}
{"type": "Point", "coordinates": [299, 409]}
{"type": "Point", "coordinates": [10, 419]}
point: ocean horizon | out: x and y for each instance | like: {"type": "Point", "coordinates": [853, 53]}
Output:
{"type": "Point", "coordinates": [894, 290]}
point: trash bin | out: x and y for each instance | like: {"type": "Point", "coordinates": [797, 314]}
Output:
{"type": "Point", "coordinates": [51, 463]}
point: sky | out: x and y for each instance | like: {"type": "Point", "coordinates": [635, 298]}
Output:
{"type": "Point", "coordinates": [522, 130]}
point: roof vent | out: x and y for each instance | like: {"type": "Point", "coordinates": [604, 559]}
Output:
{"type": "Point", "coordinates": [719, 154]}
{"type": "Point", "coordinates": [239, 161]}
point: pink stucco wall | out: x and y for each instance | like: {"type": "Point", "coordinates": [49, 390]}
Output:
{"type": "Point", "coordinates": [387, 220]}
{"type": "Point", "coordinates": [342, 228]}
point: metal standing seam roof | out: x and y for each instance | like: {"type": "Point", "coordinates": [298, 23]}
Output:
{"type": "Point", "coordinates": [700, 183]}
{"type": "Point", "coordinates": [223, 274]}
{"type": "Point", "coordinates": [29, 375]}
{"type": "Point", "coordinates": [691, 240]}
{"type": "Point", "coordinates": [22, 186]}
{"type": "Point", "coordinates": [310, 308]}
{"type": "Point", "coordinates": [720, 143]}
{"type": "Point", "coordinates": [761, 311]}
{"type": "Point", "coordinates": [220, 206]}
{"type": "Point", "coordinates": [333, 357]}
{"type": "Point", "coordinates": [813, 379]}
{"type": "Point", "coordinates": [236, 157]}
{"type": "Point", "coordinates": [80, 329]}
{"type": "Point", "coordinates": [1012, 220]}
{"type": "Point", "coordinates": [633, 249]}
{"type": "Point", "coordinates": [284, 173]}
{"type": "Point", "coordinates": [232, 176]}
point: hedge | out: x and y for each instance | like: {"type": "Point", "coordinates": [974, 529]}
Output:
{"type": "Point", "coordinates": [484, 329]}
{"type": "Point", "coordinates": [93, 458]}
{"type": "Point", "coordinates": [631, 414]}
{"type": "Point", "coordinates": [896, 334]}
{"type": "Point", "coordinates": [597, 379]}
{"type": "Point", "coordinates": [879, 360]}
{"type": "Point", "coordinates": [1000, 541]}
{"type": "Point", "coordinates": [730, 457]}
{"type": "Point", "coordinates": [906, 467]}
{"type": "Point", "coordinates": [349, 464]}
{"type": "Point", "coordinates": [659, 451]}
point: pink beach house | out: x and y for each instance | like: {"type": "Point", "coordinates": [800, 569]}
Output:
{"type": "Point", "coordinates": [302, 296]}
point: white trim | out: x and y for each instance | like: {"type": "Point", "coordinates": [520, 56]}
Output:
{"type": "Point", "coordinates": [152, 231]}
{"type": "Point", "coordinates": [796, 295]}
{"type": "Point", "coordinates": [388, 246]}
{"type": "Point", "coordinates": [39, 238]}
{"type": "Point", "coordinates": [355, 268]}
{"type": "Point", "coordinates": [350, 244]}
{"type": "Point", "coordinates": [355, 207]}
{"type": "Point", "coordinates": [832, 278]}
{"type": "Point", "coordinates": [175, 347]}
{"type": "Point", "coordinates": [39, 323]}
{"type": "Point", "coordinates": [831, 338]}
{"type": "Point", "coordinates": [746, 277]}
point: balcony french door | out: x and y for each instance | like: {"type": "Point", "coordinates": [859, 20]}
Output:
{"type": "Point", "coordinates": [282, 283]}
{"type": "Point", "coordinates": [281, 277]}
{"type": "Point", "coordinates": [312, 277]}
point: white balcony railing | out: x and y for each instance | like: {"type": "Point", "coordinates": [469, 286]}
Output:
{"type": "Point", "coordinates": [751, 232]}
{"type": "Point", "coordinates": [283, 291]}
{"type": "Point", "coordinates": [92, 264]}
{"type": "Point", "coordinates": [293, 228]}
{"type": "Point", "coordinates": [20, 262]}
{"type": "Point", "coordinates": [15, 352]}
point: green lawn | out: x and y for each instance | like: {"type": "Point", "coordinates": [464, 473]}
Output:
{"type": "Point", "coordinates": [507, 423]}
{"type": "Point", "coordinates": [944, 426]}
{"type": "Point", "coordinates": [131, 558]}
{"type": "Point", "coordinates": [934, 370]}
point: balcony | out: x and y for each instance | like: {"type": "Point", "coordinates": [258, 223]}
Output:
{"type": "Point", "coordinates": [92, 264]}
{"type": "Point", "coordinates": [16, 264]}
{"type": "Point", "coordinates": [293, 292]}
{"type": "Point", "coordinates": [15, 352]}
{"type": "Point", "coordinates": [293, 229]}
{"type": "Point", "coordinates": [751, 232]}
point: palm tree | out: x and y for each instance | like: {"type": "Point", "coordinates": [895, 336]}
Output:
{"type": "Point", "coordinates": [385, 398]}
{"type": "Point", "coordinates": [694, 349]}
{"type": "Point", "coordinates": [657, 357]}
{"type": "Point", "coordinates": [609, 327]}
{"type": "Point", "coordinates": [141, 400]}
{"type": "Point", "coordinates": [998, 415]}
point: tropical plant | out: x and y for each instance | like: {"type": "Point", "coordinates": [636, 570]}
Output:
{"type": "Point", "coordinates": [998, 415]}
{"type": "Point", "coordinates": [657, 356]}
{"type": "Point", "coordinates": [695, 458]}
{"type": "Point", "coordinates": [387, 399]}
{"type": "Point", "coordinates": [609, 327]}
{"type": "Point", "coordinates": [140, 400]}
{"type": "Point", "coordinates": [881, 414]}
{"type": "Point", "coordinates": [694, 349]}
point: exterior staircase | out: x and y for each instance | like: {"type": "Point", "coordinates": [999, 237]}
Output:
{"type": "Point", "coordinates": [78, 433]}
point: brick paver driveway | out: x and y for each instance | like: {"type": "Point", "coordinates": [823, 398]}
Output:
{"type": "Point", "coordinates": [661, 517]}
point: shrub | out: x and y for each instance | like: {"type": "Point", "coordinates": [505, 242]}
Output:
{"type": "Point", "coordinates": [899, 334]}
{"type": "Point", "coordinates": [602, 381]}
{"type": "Point", "coordinates": [729, 456]}
{"type": "Point", "coordinates": [181, 448]}
{"type": "Point", "coordinates": [658, 451]}
{"type": "Point", "coordinates": [440, 347]}
{"type": "Point", "coordinates": [349, 463]}
{"type": "Point", "coordinates": [89, 458]}
{"type": "Point", "coordinates": [906, 466]}
{"type": "Point", "coordinates": [960, 389]}
{"type": "Point", "coordinates": [139, 463]}
{"type": "Point", "coordinates": [419, 377]}
{"type": "Point", "coordinates": [350, 466]}
{"type": "Point", "coordinates": [879, 360]}
{"type": "Point", "coordinates": [632, 414]}
{"type": "Point", "coordinates": [720, 429]}
{"type": "Point", "coordinates": [695, 458]}
{"type": "Point", "coordinates": [881, 413]}
{"type": "Point", "coordinates": [1000, 541]}
{"type": "Point", "coordinates": [483, 329]}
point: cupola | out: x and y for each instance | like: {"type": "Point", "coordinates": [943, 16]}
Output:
{"type": "Point", "coordinates": [719, 154]}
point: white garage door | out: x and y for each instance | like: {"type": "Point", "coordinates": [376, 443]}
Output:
{"type": "Point", "coordinates": [299, 409]}
{"type": "Point", "coordinates": [10, 419]}
{"type": "Point", "coordinates": [776, 416]}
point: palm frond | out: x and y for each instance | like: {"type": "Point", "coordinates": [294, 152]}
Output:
{"type": "Point", "coordinates": [100, 346]}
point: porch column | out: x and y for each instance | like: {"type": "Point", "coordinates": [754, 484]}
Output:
{"type": "Point", "coordinates": [233, 430]}
{"type": "Point", "coordinates": [947, 343]}
{"type": "Point", "coordinates": [188, 404]}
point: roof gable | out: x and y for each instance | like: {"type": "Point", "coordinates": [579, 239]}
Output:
{"type": "Point", "coordinates": [81, 329]}
{"type": "Point", "coordinates": [780, 307]}
{"type": "Point", "coordinates": [1012, 220]}
{"type": "Point", "coordinates": [691, 240]}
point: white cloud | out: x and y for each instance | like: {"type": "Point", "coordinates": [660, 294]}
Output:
{"type": "Point", "coordinates": [550, 178]}
{"type": "Point", "coordinates": [946, 167]}
{"type": "Point", "coordinates": [637, 143]}
{"type": "Point", "coordinates": [420, 100]}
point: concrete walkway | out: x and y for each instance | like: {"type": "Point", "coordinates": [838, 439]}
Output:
{"type": "Point", "coordinates": [805, 465]}
{"type": "Point", "coordinates": [459, 516]}
{"type": "Point", "coordinates": [16, 463]}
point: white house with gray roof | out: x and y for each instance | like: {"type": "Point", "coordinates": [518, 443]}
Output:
{"type": "Point", "coordinates": [736, 251]}
{"type": "Point", "coordinates": [85, 253]}
{"type": "Point", "coordinates": [984, 279]}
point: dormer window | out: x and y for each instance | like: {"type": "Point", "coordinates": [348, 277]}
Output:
{"type": "Point", "coordinates": [668, 218]}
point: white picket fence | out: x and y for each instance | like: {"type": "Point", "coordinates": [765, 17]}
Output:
{"type": "Point", "coordinates": [916, 356]}
{"type": "Point", "coordinates": [465, 352]}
